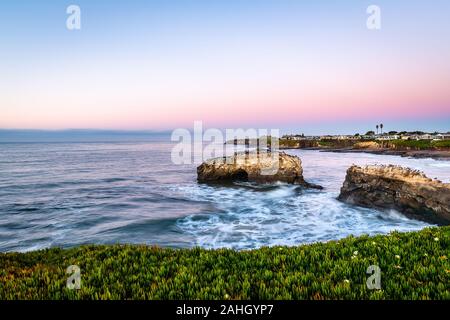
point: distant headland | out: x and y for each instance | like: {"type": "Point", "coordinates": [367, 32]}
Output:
{"type": "Point", "coordinates": [416, 144]}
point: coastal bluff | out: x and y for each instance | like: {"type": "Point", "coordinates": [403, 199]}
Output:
{"type": "Point", "coordinates": [265, 167]}
{"type": "Point", "coordinates": [403, 189]}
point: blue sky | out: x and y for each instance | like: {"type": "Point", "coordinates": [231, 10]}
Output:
{"type": "Point", "coordinates": [310, 66]}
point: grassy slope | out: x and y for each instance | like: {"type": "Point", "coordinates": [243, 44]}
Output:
{"type": "Point", "coordinates": [414, 266]}
{"type": "Point", "coordinates": [420, 144]}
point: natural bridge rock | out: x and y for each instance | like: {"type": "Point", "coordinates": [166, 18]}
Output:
{"type": "Point", "coordinates": [253, 166]}
{"type": "Point", "coordinates": [402, 189]}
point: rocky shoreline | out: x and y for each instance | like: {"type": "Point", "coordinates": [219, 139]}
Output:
{"type": "Point", "coordinates": [393, 187]}
{"type": "Point", "coordinates": [376, 186]}
{"type": "Point", "coordinates": [420, 154]}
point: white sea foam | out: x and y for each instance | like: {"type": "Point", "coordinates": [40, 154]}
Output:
{"type": "Point", "coordinates": [54, 194]}
{"type": "Point", "coordinates": [286, 215]}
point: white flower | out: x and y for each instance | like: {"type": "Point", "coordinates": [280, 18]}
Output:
{"type": "Point", "coordinates": [436, 239]}
{"type": "Point", "coordinates": [226, 296]}
{"type": "Point", "coordinates": [355, 253]}
{"type": "Point", "coordinates": [347, 281]}
{"type": "Point", "coordinates": [397, 256]}
{"type": "Point", "coordinates": [374, 243]}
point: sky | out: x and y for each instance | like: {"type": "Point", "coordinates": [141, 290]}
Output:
{"type": "Point", "coordinates": [299, 66]}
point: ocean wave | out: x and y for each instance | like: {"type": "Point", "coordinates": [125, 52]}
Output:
{"type": "Point", "coordinates": [71, 194]}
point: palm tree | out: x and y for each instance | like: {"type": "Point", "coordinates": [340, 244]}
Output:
{"type": "Point", "coordinates": [377, 128]}
{"type": "Point", "coordinates": [381, 126]}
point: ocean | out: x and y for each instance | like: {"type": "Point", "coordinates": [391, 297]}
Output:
{"type": "Point", "coordinates": [63, 194]}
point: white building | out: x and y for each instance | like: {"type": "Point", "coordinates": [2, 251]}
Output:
{"type": "Point", "coordinates": [389, 137]}
{"type": "Point", "coordinates": [426, 137]}
{"type": "Point", "coordinates": [442, 136]}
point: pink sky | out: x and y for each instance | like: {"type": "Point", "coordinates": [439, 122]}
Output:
{"type": "Point", "coordinates": [270, 65]}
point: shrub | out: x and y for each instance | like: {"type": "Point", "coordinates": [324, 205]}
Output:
{"type": "Point", "coordinates": [441, 144]}
{"type": "Point", "coordinates": [420, 144]}
{"type": "Point", "coordinates": [414, 144]}
{"type": "Point", "coordinates": [414, 266]}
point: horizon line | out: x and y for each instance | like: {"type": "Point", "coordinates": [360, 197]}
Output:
{"type": "Point", "coordinates": [169, 131]}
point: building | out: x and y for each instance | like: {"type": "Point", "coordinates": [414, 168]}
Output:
{"type": "Point", "coordinates": [388, 137]}
{"type": "Point", "coordinates": [442, 136]}
{"type": "Point", "coordinates": [426, 137]}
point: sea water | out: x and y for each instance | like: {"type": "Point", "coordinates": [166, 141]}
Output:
{"type": "Point", "coordinates": [70, 193]}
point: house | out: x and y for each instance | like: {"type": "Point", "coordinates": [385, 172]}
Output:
{"type": "Point", "coordinates": [426, 136]}
{"type": "Point", "coordinates": [388, 137]}
{"type": "Point", "coordinates": [311, 138]}
{"type": "Point", "coordinates": [442, 136]}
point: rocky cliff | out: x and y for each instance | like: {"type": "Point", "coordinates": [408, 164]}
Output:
{"type": "Point", "coordinates": [258, 167]}
{"type": "Point", "coordinates": [403, 189]}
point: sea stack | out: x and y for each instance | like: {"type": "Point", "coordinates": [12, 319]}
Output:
{"type": "Point", "coordinates": [263, 167]}
{"type": "Point", "coordinates": [403, 189]}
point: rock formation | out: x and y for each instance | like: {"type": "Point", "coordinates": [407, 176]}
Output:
{"type": "Point", "coordinates": [366, 145]}
{"type": "Point", "coordinates": [258, 167]}
{"type": "Point", "coordinates": [402, 189]}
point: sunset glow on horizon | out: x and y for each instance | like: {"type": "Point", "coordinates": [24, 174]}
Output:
{"type": "Point", "coordinates": [160, 65]}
